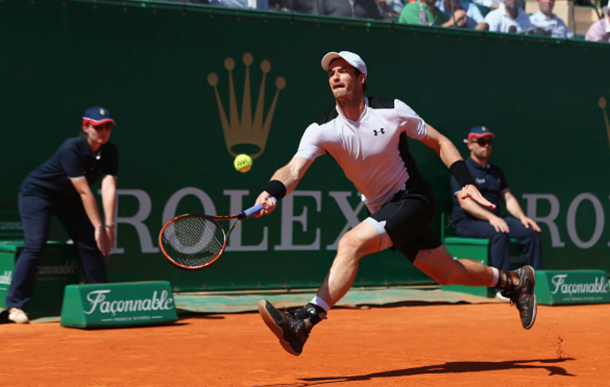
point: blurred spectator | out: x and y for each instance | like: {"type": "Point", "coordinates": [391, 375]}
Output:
{"type": "Point", "coordinates": [358, 9]}
{"type": "Point", "coordinates": [600, 30]}
{"type": "Point", "coordinates": [459, 18]}
{"type": "Point", "coordinates": [190, 1]}
{"type": "Point", "coordinates": [491, 4]}
{"type": "Point", "coordinates": [509, 17]}
{"type": "Point", "coordinates": [392, 8]}
{"type": "Point", "coordinates": [474, 18]}
{"type": "Point", "coordinates": [547, 20]}
{"type": "Point", "coordinates": [302, 6]}
{"type": "Point", "coordinates": [251, 4]}
{"type": "Point", "coordinates": [425, 13]}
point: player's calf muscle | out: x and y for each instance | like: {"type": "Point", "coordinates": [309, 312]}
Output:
{"type": "Point", "coordinates": [473, 273]}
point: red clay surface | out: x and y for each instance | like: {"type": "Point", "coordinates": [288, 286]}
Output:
{"type": "Point", "coordinates": [432, 345]}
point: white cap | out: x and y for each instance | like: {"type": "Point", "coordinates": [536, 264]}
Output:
{"type": "Point", "coordinates": [349, 57]}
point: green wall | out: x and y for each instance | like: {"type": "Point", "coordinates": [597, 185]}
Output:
{"type": "Point", "coordinates": [153, 65]}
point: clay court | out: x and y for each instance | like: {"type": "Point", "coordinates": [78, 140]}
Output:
{"type": "Point", "coordinates": [420, 345]}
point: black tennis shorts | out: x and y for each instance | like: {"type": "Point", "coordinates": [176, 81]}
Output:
{"type": "Point", "coordinates": [408, 216]}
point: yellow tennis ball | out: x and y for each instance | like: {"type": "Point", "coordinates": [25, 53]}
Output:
{"type": "Point", "coordinates": [243, 163]}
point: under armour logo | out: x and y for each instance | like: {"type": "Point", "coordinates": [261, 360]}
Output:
{"type": "Point", "coordinates": [380, 130]}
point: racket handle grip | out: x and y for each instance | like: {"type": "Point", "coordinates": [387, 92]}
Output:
{"type": "Point", "coordinates": [255, 209]}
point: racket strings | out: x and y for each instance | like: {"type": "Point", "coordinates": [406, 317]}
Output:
{"type": "Point", "coordinates": [193, 241]}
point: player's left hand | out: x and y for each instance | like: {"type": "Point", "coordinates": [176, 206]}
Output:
{"type": "Point", "coordinates": [471, 191]}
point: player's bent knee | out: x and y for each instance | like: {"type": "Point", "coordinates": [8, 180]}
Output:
{"type": "Point", "coordinates": [360, 241]}
{"type": "Point", "coordinates": [349, 244]}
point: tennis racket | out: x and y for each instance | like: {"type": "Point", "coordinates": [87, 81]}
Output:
{"type": "Point", "coordinates": [194, 241]}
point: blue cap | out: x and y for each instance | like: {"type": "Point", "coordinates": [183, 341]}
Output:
{"type": "Point", "coordinates": [97, 115]}
{"type": "Point", "coordinates": [479, 131]}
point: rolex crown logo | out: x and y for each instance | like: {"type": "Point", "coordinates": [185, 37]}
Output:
{"type": "Point", "coordinates": [602, 105]}
{"type": "Point", "coordinates": [247, 134]}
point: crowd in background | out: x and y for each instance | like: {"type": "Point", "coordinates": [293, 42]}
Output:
{"type": "Point", "coordinates": [506, 16]}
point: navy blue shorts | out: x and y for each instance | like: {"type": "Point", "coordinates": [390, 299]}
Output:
{"type": "Point", "coordinates": [408, 217]}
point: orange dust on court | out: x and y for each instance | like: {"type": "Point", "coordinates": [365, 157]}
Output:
{"type": "Point", "coordinates": [430, 345]}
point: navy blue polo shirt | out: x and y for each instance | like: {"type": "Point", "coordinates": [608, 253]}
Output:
{"type": "Point", "coordinates": [74, 158]}
{"type": "Point", "coordinates": [489, 179]}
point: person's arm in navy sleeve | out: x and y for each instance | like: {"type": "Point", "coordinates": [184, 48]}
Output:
{"type": "Point", "coordinates": [109, 204]}
{"type": "Point", "coordinates": [82, 187]}
{"type": "Point", "coordinates": [513, 207]}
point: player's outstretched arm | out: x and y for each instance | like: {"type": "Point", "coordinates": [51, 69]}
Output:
{"type": "Point", "coordinates": [282, 183]}
{"type": "Point", "coordinates": [450, 155]}
{"type": "Point", "coordinates": [442, 146]}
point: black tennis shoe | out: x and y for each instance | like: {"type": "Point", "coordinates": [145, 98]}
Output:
{"type": "Point", "coordinates": [289, 328]}
{"type": "Point", "coordinates": [523, 296]}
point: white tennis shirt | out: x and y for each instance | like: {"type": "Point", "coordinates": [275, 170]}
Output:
{"type": "Point", "coordinates": [372, 151]}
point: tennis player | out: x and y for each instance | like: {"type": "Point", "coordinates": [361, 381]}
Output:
{"type": "Point", "coordinates": [368, 138]}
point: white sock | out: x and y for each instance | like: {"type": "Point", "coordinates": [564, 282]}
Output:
{"type": "Point", "coordinates": [321, 303]}
{"type": "Point", "coordinates": [495, 279]}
